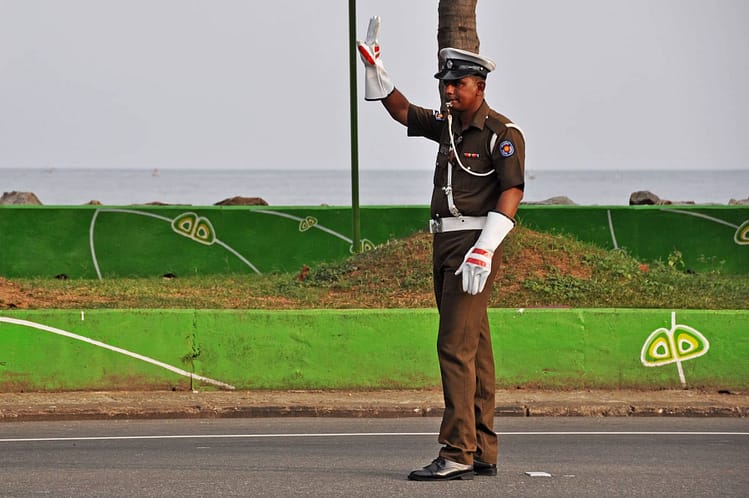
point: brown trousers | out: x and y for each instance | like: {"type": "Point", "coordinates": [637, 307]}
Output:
{"type": "Point", "coordinates": [465, 354]}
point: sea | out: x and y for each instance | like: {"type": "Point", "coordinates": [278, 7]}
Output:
{"type": "Point", "coordinates": [204, 187]}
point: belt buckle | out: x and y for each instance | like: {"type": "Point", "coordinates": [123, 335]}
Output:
{"type": "Point", "coordinates": [435, 226]}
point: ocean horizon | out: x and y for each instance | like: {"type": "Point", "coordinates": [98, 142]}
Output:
{"type": "Point", "coordinates": [76, 186]}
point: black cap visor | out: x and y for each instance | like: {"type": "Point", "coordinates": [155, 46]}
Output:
{"type": "Point", "coordinates": [454, 69]}
{"type": "Point", "coordinates": [448, 74]}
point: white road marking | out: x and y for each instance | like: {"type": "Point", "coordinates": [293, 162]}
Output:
{"type": "Point", "coordinates": [360, 434]}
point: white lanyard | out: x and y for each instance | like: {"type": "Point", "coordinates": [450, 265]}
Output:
{"type": "Point", "coordinates": [449, 188]}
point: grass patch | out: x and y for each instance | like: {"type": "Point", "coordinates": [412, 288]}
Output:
{"type": "Point", "coordinates": [538, 270]}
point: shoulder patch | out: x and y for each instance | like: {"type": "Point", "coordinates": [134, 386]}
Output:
{"type": "Point", "coordinates": [506, 148]}
{"type": "Point", "coordinates": [438, 116]}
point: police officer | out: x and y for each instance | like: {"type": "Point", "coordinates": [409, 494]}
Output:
{"type": "Point", "coordinates": [478, 185]}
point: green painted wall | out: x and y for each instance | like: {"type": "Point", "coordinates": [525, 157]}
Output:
{"type": "Point", "coordinates": [361, 349]}
{"type": "Point", "coordinates": [708, 237]}
{"type": "Point", "coordinates": [110, 242]}
{"type": "Point", "coordinates": [88, 241]}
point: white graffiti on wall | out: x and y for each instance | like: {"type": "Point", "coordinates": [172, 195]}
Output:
{"type": "Point", "coordinates": [200, 229]}
{"type": "Point", "coordinates": [188, 225]}
{"type": "Point", "coordinates": [311, 222]}
{"type": "Point", "coordinates": [194, 227]}
{"type": "Point", "coordinates": [137, 356]}
{"type": "Point", "coordinates": [740, 236]}
{"type": "Point", "coordinates": [675, 345]}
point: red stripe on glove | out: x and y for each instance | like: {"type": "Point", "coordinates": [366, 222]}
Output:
{"type": "Point", "coordinates": [477, 262]}
{"type": "Point", "coordinates": [364, 51]}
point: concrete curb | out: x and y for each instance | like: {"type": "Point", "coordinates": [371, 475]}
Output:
{"type": "Point", "coordinates": [17, 407]}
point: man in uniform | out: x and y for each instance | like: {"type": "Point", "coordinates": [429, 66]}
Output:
{"type": "Point", "coordinates": [478, 185]}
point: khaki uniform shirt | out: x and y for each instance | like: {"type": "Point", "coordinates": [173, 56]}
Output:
{"type": "Point", "coordinates": [473, 195]}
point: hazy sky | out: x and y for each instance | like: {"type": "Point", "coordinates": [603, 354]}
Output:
{"type": "Point", "coordinates": [602, 84]}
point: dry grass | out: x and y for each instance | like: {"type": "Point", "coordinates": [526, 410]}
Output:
{"type": "Point", "coordinates": [539, 270]}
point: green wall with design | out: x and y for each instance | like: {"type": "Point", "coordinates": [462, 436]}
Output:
{"type": "Point", "coordinates": [365, 349]}
{"type": "Point", "coordinates": [109, 242]}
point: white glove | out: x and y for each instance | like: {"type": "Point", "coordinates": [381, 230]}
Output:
{"type": "Point", "coordinates": [477, 264]}
{"type": "Point", "coordinates": [377, 84]}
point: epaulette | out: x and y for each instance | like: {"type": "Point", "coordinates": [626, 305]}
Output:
{"type": "Point", "coordinates": [495, 123]}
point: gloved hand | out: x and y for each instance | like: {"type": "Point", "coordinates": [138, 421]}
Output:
{"type": "Point", "coordinates": [377, 84]}
{"type": "Point", "coordinates": [477, 264]}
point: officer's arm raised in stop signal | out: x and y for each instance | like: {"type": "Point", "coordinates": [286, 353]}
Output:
{"type": "Point", "coordinates": [397, 105]}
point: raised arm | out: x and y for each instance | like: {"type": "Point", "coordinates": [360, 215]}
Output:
{"type": "Point", "coordinates": [397, 105]}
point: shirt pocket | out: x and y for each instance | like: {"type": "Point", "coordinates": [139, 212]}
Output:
{"type": "Point", "coordinates": [474, 175]}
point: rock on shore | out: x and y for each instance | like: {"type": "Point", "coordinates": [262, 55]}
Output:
{"type": "Point", "coordinates": [242, 201]}
{"type": "Point", "coordinates": [646, 197]}
{"type": "Point", "coordinates": [20, 198]}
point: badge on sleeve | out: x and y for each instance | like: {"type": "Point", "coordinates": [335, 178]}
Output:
{"type": "Point", "coordinates": [438, 116]}
{"type": "Point", "coordinates": [506, 149]}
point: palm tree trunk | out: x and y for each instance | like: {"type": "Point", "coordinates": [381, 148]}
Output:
{"type": "Point", "coordinates": [457, 25]}
{"type": "Point", "coordinates": [456, 28]}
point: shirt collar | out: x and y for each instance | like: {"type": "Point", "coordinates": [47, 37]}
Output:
{"type": "Point", "coordinates": [480, 117]}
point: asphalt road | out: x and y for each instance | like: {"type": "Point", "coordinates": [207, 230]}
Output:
{"type": "Point", "coordinates": [371, 457]}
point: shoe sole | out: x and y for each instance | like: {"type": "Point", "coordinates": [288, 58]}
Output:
{"type": "Point", "coordinates": [485, 473]}
{"type": "Point", "coordinates": [465, 476]}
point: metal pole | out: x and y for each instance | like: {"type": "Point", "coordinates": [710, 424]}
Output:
{"type": "Point", "coordinates": [356, 231]}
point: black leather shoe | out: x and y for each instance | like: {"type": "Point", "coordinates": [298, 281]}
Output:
{"type": "Point", "coordinates": [484, 469]}
{"type": "Point", "coordinates": [442, 470]}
